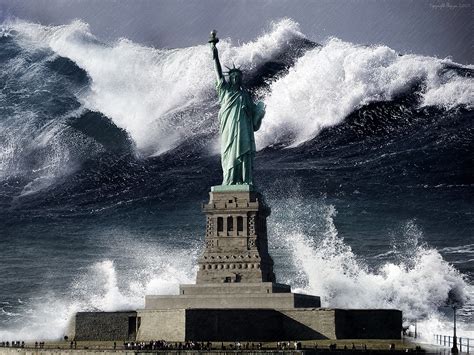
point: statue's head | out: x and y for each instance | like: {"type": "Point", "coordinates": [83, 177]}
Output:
{"type": "Point", "coordinates": [235, 76]}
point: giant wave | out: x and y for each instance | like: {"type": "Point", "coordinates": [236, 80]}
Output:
{"type": "Point", "coordinates": [88, 125]}
{"type": "Point", "coordinates": [161, 97]}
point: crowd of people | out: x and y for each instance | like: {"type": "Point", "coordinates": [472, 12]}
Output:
{"type": "Point", "coordinates": [164, 345]}
{"type": "Point", "coordinates": [14, 344]}
{"type": "Point", "coordinates": [203, 346]}
{"type": "Point", "coordinates": [286, 345]}
{"type": "Point", "coordinates": [188, 345]}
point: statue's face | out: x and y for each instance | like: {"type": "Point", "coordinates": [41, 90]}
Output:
{"type": "Point", "coordinates": [235, 79]}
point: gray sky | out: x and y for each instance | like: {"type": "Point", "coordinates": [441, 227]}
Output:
{"type": "Point", "coordinates": [433, 27]}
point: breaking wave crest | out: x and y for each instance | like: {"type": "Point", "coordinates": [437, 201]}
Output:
{"type": "Point", "coordinates": [146, 90]}
{"type": "Point", "coordinates": [163, 97]}
{"type": "Point", "coordinates": [328, 83]}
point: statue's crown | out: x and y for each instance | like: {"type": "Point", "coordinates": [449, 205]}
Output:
{"type": "Point", "coordinates": [233, 70]}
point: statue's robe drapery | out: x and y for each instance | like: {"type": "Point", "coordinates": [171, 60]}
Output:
{"type": "Point", "coordinates": [239, 117]}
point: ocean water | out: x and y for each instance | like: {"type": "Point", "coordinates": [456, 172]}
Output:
{"type": "Point", "coordinates": [108, 150]}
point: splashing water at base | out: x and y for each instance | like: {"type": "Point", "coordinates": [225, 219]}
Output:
{"type": "Point", "coordinates": [318, 261]}
{"type": "Point", "coordinates": [105, 286]}
{"type": "Point", "coordinates": [418, 281]}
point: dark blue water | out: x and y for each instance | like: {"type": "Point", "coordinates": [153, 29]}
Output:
{"type": "Point", "coordinates": [108, 151]}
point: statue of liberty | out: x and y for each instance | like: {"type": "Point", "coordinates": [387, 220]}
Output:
{"type": "Point", "coordinates": [239, 117]}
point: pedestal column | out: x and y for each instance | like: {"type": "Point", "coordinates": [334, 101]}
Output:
{"type": "Point", "coordinates": [236, 255]}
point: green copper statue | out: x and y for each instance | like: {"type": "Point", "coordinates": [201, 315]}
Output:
{"type": "Point", "coordinates": [239, 117]}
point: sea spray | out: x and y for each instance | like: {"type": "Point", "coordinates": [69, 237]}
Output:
{"type": "Point", "coordinates": [417, 281]}
{"type": "Point", "coordinates": [309, 255]}
{"type": "Point", "coordinates": [34, 143]}
{"type": "Point", "coordinates": [328, 83]}
{"type": "Point", "coordinates": [108, 285]}
{"type": "Point", "coordinates": [144, 89]}
{"type": "Point", "coordinates": [157, 95]}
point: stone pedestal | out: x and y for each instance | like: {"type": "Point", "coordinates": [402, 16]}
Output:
{"type": "Point", "coordinates": [236, 296]}
{"type": "Point", "coordinates": [235, 269]}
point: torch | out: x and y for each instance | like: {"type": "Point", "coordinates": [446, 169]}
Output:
{"type": "Point", "coordinates": [213, 38]}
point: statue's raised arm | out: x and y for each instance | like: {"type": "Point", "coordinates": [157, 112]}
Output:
{"type": "Point", "coordinates": [215, 55]}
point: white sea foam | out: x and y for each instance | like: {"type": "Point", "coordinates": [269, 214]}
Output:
{"type": "Point", "coordinates": [37, 152]}
{"type": "Point", "coordinates": [328, 83]}
{"type": "Point", "coordinates": [462, 249]}
{"type": "Point", "coordinates": [309, 255]}
{"type": "Point", "coordinates": [145, 90]}
{"type": "Point", "coordinates": [107, 285]}
{"type": "Point", "coordinates": [32, 144]}
{"type": "Point", "coordinates": [417, 282]}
